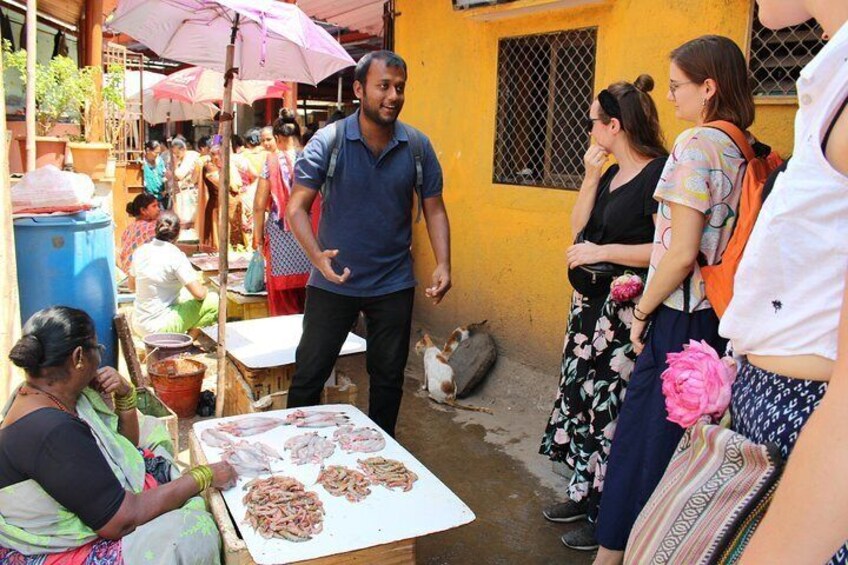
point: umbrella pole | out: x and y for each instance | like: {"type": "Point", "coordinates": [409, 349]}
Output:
{"type": "Point", "coordinates": [223, 219]}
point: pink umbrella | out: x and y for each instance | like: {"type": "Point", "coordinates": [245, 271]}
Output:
{"type": "Point", "coordinates": [196, 84]}
{"type": "Point", "coordinates": [274, 41]}
{"type": "Point", "coordinates": [268, 40]}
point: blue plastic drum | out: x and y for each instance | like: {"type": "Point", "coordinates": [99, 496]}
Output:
{"type": "Point", "coordinates": [70, 261]}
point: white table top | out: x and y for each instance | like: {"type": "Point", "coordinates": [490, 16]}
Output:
{"type": "Point", "coordinates": [271, 342]}
{"type": "Point", "coordinates": [385, 516]}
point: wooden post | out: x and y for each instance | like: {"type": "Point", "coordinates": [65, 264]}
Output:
{"type": "Point", "coordinates": [32, 32]}
{"type": "Point", "coordinates": [94, 58]}
{"type": "Point", "coordinates": [223, 219]}
{"type": "Point", "coordinates": [10, 328]}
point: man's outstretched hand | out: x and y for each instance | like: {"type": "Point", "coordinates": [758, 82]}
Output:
{"type": "Point", "coordinates": [324, 263]}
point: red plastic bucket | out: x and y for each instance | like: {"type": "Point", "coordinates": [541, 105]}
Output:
{"type": "Point", "coordinates": [177, 383]}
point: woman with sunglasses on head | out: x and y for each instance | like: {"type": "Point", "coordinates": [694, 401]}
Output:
{"type": "Point", "coordinates": [614, 222]}
{"type": "Point", "coordinates": [75, 484]}
{"type": "Point", "coordinates": [698, 196]}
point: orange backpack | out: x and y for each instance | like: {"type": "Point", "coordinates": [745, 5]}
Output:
{"type": "Point", "coordinates": [718, 278]}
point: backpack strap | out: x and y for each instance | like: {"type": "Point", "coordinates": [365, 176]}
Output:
{"type": "Point", "coordinates": [737, 135]}
{"type": "Point", "coordinates": [417, 147]}
{"type": "Point", "coordinates": [335, 147]}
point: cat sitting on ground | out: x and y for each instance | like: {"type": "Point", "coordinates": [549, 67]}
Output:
{"type": "Point", "coordinates": [438, 374]}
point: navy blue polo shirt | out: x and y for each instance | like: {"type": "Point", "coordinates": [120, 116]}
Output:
{"type": "Point", "coordinates": [368, 215]}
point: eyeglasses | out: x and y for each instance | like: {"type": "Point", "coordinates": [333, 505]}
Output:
{"type": "Point", "coordinates": [590, 123]}
{"type": "Point", "coordinates": [673, 86]}
{"type": "Point", "coordinates": [98, 346]}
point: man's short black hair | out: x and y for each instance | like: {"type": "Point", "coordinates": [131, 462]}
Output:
{"type": "Point", "coordinates": [390, 58]}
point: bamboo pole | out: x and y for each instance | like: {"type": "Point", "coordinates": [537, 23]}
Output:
{"type": "Point", "coordinates": [10, 328]}
{"type": "Point", "coordinates": [223, 219]}
{"type": "Point", "coordinates": [31, 36]}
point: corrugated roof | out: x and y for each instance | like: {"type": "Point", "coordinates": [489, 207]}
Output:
{"type": "Point", "coordinates": [364, 16]}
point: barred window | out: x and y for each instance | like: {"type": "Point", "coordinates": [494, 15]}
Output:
{"type": "Point", "coordinates": [777, 57]}
{"type": "Point", "coordinates": [545, 87]}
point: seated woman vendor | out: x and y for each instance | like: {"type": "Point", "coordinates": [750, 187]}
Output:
{"type": "Point", "coordinates": [75, 487]}
{"type": "Point", "coordinates": [169, 295]}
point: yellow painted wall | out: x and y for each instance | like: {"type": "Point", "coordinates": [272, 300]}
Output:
{"type": "Point", "coordinates": [509, 242]}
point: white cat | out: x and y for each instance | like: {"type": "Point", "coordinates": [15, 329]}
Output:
{"type": "Point", "coordinates": [438, 374]}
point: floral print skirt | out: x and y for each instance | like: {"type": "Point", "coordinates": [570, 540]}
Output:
{"type": "Point", "coordinates": [597, 361]}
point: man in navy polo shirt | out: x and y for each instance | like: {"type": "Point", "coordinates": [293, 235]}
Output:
{"type": "Point", "coordinates": [361, 257]}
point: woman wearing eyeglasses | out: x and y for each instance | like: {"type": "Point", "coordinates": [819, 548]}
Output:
{"type": "Point", "coordinates": [614, 222]}
{"type": "Point", "coordinates": [698, 196]}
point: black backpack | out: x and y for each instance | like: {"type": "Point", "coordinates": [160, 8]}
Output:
{"type": "Point", "coordinates": [415, 144]}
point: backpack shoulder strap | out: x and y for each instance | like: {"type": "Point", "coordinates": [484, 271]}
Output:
{"type": "Point", "coordinates": [336, 140]}
{"type": "Point", "coordinates": [737, 135]}
{"type": "Point", "coordinates": [417, 147]}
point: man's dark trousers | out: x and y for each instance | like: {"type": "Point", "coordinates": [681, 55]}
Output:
{"type": "Point", "coordinates": [327, 320]}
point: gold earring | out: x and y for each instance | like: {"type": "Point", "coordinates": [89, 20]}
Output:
{"type": "Point", "coordinates": [79, 364]}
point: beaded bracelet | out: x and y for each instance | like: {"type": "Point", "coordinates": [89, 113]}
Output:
{"type": "Point", "coordinates": [202, 475]}
{"type": "Point", "coordinates": [127, 402]}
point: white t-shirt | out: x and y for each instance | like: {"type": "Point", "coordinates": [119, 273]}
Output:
{"type": "Point", "coordinates": [161, 270]}
{"type": "Point", "coordinates": [788, 290]}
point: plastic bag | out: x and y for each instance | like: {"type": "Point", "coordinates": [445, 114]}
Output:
{"type": "Point", "coordinates": [254, 279]}
{"type": "Point", "coordinates": [49, 189]}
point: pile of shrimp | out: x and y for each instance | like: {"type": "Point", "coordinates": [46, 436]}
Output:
{"type": "Point", "coordinates": [359, 440]}
{"type": "Point", "coordinates": [280, 507]}
{"type": "Point", "coordinates": [387, 472]}
{"type": "Point", "coordinates": [341, 481]}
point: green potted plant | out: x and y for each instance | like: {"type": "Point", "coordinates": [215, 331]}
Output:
{"type": "Point", "coordinates": [53, 101]}
{"type": "Point", "coordinates": [91, 155]}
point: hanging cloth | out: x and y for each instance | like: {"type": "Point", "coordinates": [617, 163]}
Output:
{"type": "Point", "coordinates": [60, 44]}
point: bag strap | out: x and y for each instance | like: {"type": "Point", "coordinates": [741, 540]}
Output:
{"type": "Point", "coordinates": [335, 146]}
{"type": "Point", "coordinates": [737, 135]}
{"type": "Point", "coordinates": [417, 147]}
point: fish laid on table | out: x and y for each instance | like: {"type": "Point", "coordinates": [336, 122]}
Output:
{"type": "Point", "coordinates": [250, 459]}
{"type": "Point", "coordinates": [250, 426]}
{"type": "Point", "coordinates": [387, 472]}
{"type": "Point", "coordinates": [359, 440]}
{"type": "Point", "coordinates": [317, 418]}
{"type": "Point", "coordinates": [309, 448]}
{"type": "Point", "coordinates": [281, 507]}
{"type": "Point", "coordinates": [341, 481]}
{"type": "Point", "coordinates": [215, 438]}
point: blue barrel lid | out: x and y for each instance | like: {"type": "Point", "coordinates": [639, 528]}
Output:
{"type": "Point", "coordinates": [90, 217]}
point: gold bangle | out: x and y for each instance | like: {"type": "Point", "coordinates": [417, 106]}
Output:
{"type": "Point", "coordinates": [127, 402]}
{"type": "Point", "coordinates": [202, 475]}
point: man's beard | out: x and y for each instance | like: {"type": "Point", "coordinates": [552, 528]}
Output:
{"type": "Point", "coordinates": [373, 114]}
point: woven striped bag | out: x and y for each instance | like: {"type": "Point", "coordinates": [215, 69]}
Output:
{"type": "Point", "coordinates": [710, 500]}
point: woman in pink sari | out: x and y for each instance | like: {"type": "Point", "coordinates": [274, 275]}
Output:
{"type": "Point", "coordinates": [286, 265]}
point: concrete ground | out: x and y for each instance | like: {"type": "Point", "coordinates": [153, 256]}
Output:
{"type": "Point", "coordinates": [489, 461]}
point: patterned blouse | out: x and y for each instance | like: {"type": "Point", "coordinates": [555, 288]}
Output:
{"type": "Point", "coordinates": [137, 234]}
{"type": "Point", "coordinates": [703, 172]}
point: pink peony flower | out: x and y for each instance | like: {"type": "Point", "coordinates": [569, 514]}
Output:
{"type": "Point", "coordinates": [626, 287]}
{"type": "Point", "coordinates": [697, 383]}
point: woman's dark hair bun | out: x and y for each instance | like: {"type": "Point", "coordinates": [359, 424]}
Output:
{"type": "Point", "coordinates": [287, 114]}
{"type": "Point", "coordinates": [644, 82]}
{"type": "Point", "coordinates": [28, 354]}
{"type": "Point", "coordinates": [139, 203]}
{"type": "Point", "coordinates": [168, 227]}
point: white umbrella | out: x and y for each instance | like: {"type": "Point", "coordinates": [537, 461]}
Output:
{"type": "Point", "coordinates": [158, 111]}
{"type": "Point", "coordinates": [268, 40]}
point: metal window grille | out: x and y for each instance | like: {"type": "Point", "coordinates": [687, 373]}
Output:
{"type": "Point", "coordinates": [545, 87]}
{"type": "Point", "coordinates": [777, 57]}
